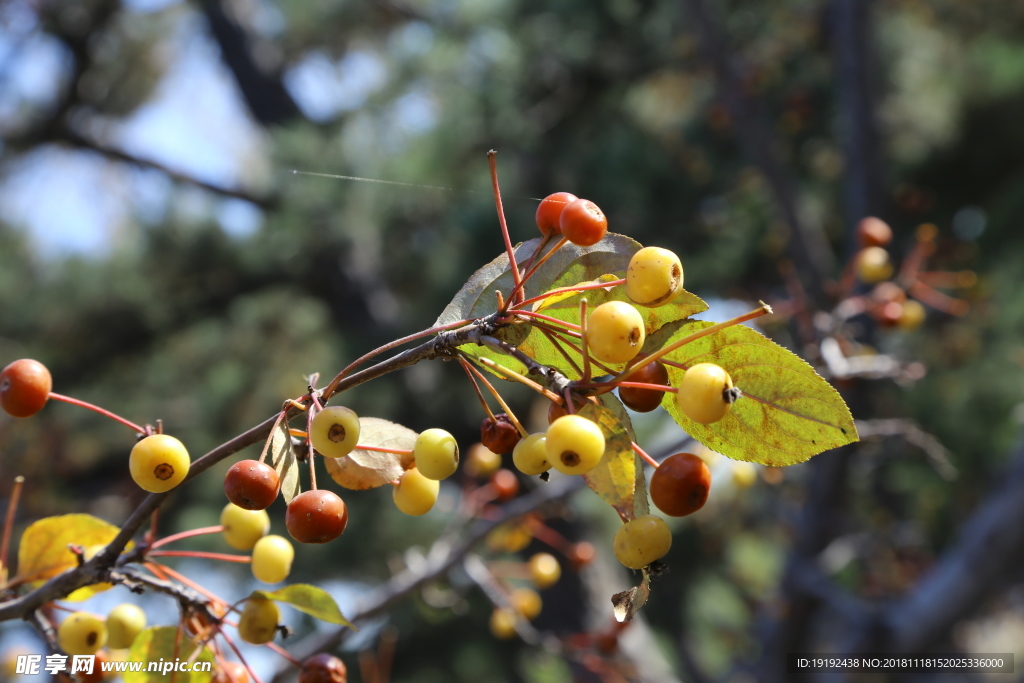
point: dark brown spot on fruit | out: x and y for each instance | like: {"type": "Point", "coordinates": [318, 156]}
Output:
{"type": "Point", "coordinates": [91, 639]}
{"type": "Point", "coordinates": [677, 275]}
{"type": "Point", "coordinates": [698, 496]}
{"type": "Point", "coordinates": [163, 471]}
{"type": "Point", "coordinates": [634, 336]}
{"type": "Point", "coordinates": [336, 433]}
{"type": "Point", "coordinates": [570, 458]}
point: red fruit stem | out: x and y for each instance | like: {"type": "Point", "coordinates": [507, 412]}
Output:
{"type": "Point", "coordinates": [234, 648]}
{"type": "Point", "coordinates": [577, 288]}
{"type": "Point", "coordinates": [498, 367]}
{"type": "Point", "coordinates": [501, 401]}
{"type": "Point", "coordinates": [154, 521]}
{"type": "Point", "coordinates": [558, 346]}
{"type": "Point", "coordinates": [284, 653]}
{"type": "Point", "coordinates": [166, 573]}
{"type": "Point", "coordinates": [555, 321]}
{"type": "Point", "coordinates": [570, 405]}
{"type": "Point", "coordinates": [202, 554]}
{"type": "Point", "coordinates": [270, 437]}
{"type": "Point", "coordinates": [476, 387]}
{"type": "Point", "coordinates": [545, 534]}
{"type": "Point", "coordinates": [764, 309]}
{"type": "Point", "coordinates": [583, 340]}
{"type": "Point", "coordinates": [536, 252]}
{"type": "Point", "coordinates": [97, 409]}
{"type": "Point", "coordinates": [516, 278]}
{"type": "Point", "coordinates": [517, 291]}
{"type": "Point", "coordinates": [186, 534]}
{"type": "Point", "coordinates": [12, 509]}
{"type": "Point", "coordinates": [937, 300]}
{"type": "Point", "coordinates": [578, 350]}
{"type": "Point", "coordinates": [381, 449]}
{"type": "Point", "coordinates": [309, 446]}
{"type": "Point", "coordinates": [329, 389]}
{"type": "Point", "coordinates": [914, 260]}
{"type": "Point", "coordinates": [643, 455]}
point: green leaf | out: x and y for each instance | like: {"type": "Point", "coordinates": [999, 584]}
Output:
{"type": "Point", "coordinates": [626, 604]}
{"type": "Point", "coordinates": [578, 264]}
{"type": "Point", "coordinates": [604, 262]}
{"type": "Point", "coordinates": [43, 552]}
{"type": "Point", "coordinates": [314, 601]}
{"type": "Point", "coordinates": [363, 469]}
{"type": "Point", "coordinates": [163, 642]}
{"type": "Point", "coordinates": [787, 414]}
{"type": "Point", "coordinates": [619, 477]}
{"type": "Point", "coordinates": [282, 454]}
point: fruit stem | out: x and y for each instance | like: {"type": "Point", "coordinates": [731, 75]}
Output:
{"type": "Point", "coordinates": [270, 437]}
{"type": "Point", "coordinates": [284, 653]}
{"type": "Point", "coordinates": [329, 389]}
{"type": "Point", "coordinates": [203, 555]}
{"type": "Point", "coordinates": [644, 456]}
{"type": "Point", "coordinates": [583, 340]}
{"type": "Point", "coordinates": [309, 446]}
{"type": "Point", "coordinates": [631, 385]}
{"type": "Point", "coordinates": [764, 309]}
{"type": "Point", "coordinates": [576, 288]}
{"type": "Point", "coordinates": [186, 534]}
{"type": "Point", "coordinates": [517, 291]}
{"type": "Point", "coordinates": [556, 321]}
{"type": "Point", "coordinates": [234, 648]}
{"type": "Point", "coordinates": [12, 509]}
{"type": "Point", "coordinates": [504, 406]}
{"type": "Point", "coordinates": [536, 252]}
{"type": "Point", "coordinates": [476, 387]}
{"type": "Point", "coordinates": [545, 534]}
{"type": "Point", "coordinates": [937, 300]}
{"type": "Point", "coordinates": [547, 393]}
{"type": "Point", "coordinates": [381, 449]}
{"type": "Point", "coordinates": [516, 278]}
{"type": "Point", "coordinates": [164, 572]}
{"type": "Point", "coordinates": [95, 408]}
{"type": "Point", "coordinates": [558, 345]}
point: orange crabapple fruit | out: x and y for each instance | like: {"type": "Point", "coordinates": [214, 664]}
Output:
{"type": "Point", "coordinates": [316, 516]}
{"type": "Point", "coordinates": [251, 484]}
{"type": "Point", "coordinates": [583, 223]}
{"type": "Point", "coordinates": [24, 387]}
{"type": "Point", "coordinates": [645, 400]}
{"type": "Point", "coordinates": [323, 668]}
{"type": "Point", "coordinates": [680, 485]}
{"type": "Point", "coordinates": [550, 211]}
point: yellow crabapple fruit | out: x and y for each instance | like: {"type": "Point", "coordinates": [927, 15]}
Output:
{"type": "Point", "coordinates": [654, 276]}
{"type": "Point", "coordinates": [415, 494]}
{"type": "Point", "coordinates": [158, 463]}
{"type": "Point", "coordinates": [242, 528]}
{"type": "Point", "coordinates": [530, 455]}
{"type": "Point", "coordinates": [258, 623]}
{"type": "Point", "coordinates": [124, 622]}
{"type": "Point", "coordinates": [705, 393]}
{"type": "Point", "coordinates": [615, 332]}
{"type": "Point", "coordinates": [334, 431]}
{"type": "Point", "coordinates": [436, 453]}
{"type": "Point", "coordinates": [82, 633]}
{"type": "Point", "coordinates": [641, 541]}
{"type": "Point", "coordinates": [574, 444]}
{"type": "Point", "coordinates": [272, 558]}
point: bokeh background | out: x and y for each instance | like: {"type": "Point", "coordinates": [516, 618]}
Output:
{"type": "Point", "coordinates": [160, 255]}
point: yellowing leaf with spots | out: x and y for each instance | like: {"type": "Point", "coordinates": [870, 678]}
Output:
{"type": "Point", "coordinates": [787, 414]}
{"type": "Point", "coordinates": [619, 477]}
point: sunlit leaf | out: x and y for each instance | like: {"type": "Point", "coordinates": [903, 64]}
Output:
{"type": "Point", "coordinates": [282, 454]}
{"type": "Point", "coordinates": [364, 469]}
{"type": "Point", "coordinates": [579, 264]}
{"type": "Point", "coordinates": [787, 414]}
{"type": "Point", "coordinates": [164, 643]}
{"type": "Point", "coordinates": [626, 604]}
{"type": "Point", "coordinates": [314, 601]}
{"type": "Point", "coordinates": [43, 552]}
{"type": "Point", "coordinates": [619, 477]}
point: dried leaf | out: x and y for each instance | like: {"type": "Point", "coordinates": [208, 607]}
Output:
{"type": "Point", "coordinates": [282, 453]}
{"type": "Point", "coordinates": [364, 469]}
{"type": "Point", "coordinates": [626, 604]}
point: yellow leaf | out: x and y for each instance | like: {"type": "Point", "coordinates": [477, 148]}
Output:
{"type": "Point", "coordinates": [43, 552]}
{"type": "Point", "coordinates": [619, 477]}
{"type": "Point", "coordinates": [163, 643]}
